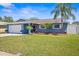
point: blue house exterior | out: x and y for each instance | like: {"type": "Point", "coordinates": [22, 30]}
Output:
{"type": "Point", "coordinates": [20, 27]}
{"type": "Point", "coordinates": [61, 30]}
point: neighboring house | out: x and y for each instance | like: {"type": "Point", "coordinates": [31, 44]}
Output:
{"type": "Point", "coordinates": [20, 27]}
{"type": "Point", "coordinates": [3, 27]}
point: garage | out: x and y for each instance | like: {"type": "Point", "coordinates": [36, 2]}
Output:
{"type": "Point", "coordinates": [15, 28]}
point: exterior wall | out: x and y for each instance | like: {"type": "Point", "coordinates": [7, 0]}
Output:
{"type": "Point", "coordinates": [62, 30]}
{"type": "Point", "coordinates": [73, 29]}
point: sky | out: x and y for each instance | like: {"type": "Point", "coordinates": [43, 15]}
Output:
{"type": "Point", "coordinates": [28, 10]}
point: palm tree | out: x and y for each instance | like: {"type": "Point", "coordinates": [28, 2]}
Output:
{"type": "Point", "coordinates": [64, 10]}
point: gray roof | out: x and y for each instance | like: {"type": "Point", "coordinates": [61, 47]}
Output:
{"type": "Point", "coordinates": [41, 21]}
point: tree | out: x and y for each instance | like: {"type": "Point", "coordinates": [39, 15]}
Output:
{"type": "Point", "coordinates": [1, 19]}
{"type": "Point", "coordinates": [33, 18]}
{"type": "Point", "coordinates": [64, 10]}
{"type": "Point", "coordinates": [20, 20]}
{"type": "Point", "coordinates": [8, 19]}
{"type": "Point", "coordinates": [76, 22]}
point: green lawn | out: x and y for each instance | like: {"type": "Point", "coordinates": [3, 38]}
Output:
{"type": "Point", "coordinates": [32, 45]}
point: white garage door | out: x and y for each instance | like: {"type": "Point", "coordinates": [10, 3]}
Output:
{"type": "Point", "coordinates": [15, 28]}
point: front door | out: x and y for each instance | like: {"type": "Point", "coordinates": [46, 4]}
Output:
{"type": "Point", "coordinates": [34, 29]}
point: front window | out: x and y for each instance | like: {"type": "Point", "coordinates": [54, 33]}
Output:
{"type": "Point", "coordinates": [57, 26]}
{"type": "Point", "coordinates": [46, 26]}
{"type": "Point", "coordinates": [42, 27]}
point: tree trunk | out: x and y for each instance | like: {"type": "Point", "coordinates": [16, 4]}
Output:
{"type": "Point", "coordinates": [61, 21]}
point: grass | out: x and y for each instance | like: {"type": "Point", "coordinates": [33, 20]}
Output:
{"type": "Point", "coordinates": [41, 45]}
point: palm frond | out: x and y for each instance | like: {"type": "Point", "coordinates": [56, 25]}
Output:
{"type": "Point", "coordinates": [64, 10]}
{"type": "Point", "coordinates": [65, 15]}
{"type": "Point", "coordinates": [73, 16]}
{"type": "Point", "coordinates": [56, 14]}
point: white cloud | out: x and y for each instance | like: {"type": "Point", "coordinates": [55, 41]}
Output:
{"type": "Point", "coordinates": [28, 12]}
{"type": "Point", "coordinates": [7, 5]}
{"type": "Point", "coordinates": [7, 10]}
{"type": "Point", "coordinates": [25, 12]}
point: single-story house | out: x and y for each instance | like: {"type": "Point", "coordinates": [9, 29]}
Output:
{"type": "Point", "coordinates": [57, 27]}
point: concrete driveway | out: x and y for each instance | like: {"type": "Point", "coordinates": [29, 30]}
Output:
{"type": "Point", "coordinates": [4, 35]}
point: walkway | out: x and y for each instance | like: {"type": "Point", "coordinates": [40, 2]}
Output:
{"type": "Point", "coordinates": [4, 35]}
{"type": "Point", "coordinates": [6, 54]}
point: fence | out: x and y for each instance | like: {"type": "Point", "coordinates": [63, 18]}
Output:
{"type": "Point", "coordinates": [73, 29]}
